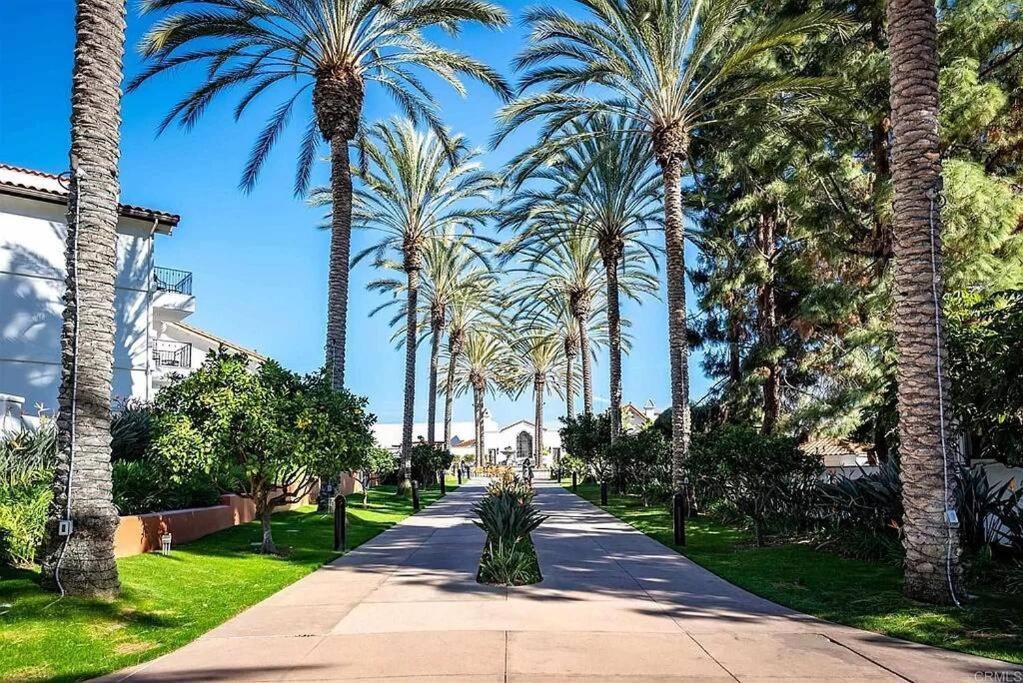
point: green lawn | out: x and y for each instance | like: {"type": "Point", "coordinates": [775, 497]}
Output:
{"type": "Point", "coordinates": [169, 601]}
{"type": "Point", "coordinates": [862, 594]}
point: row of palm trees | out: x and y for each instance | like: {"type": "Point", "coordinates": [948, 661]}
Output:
{"type": "Point", "coordinates": [661, 69]}
{"type": "Point", "coordinates": [578, 247]}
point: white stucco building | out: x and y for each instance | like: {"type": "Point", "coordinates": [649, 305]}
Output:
{"type": "Point", "coordinates": [509, 444]}
{"type": "Point", "coordinates": [150, 303]}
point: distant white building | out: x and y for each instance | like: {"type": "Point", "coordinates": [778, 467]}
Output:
{"type": "Point", "coordinates": [510, 444]}
{"type": "Point", "coordinates": [151, 341]}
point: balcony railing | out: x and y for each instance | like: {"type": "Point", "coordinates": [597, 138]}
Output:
{"type": "Point", "coordinates": [173, 355]}
{"type": "Point", "coordinates": [170, 280]}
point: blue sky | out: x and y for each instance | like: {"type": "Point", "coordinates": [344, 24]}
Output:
{"type": "Point", "coordinates": [259, 264]}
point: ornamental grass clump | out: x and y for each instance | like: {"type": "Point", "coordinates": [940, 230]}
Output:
{"type": "Point", "coordinates": [507, 515]}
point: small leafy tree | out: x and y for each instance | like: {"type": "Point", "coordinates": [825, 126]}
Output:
{"type": "Point", "coordinates": [586, 437]}
{"type": "Point", "coordinates": [752, 472]}
{"type": "Point", "coordinates": [375, 461]}
{"type": "Point", "coordinates": [268, 435]}
{"type": "Point", "coordinates": [641, 461]}
{"type": "Point", "coordinates": [427, 461]}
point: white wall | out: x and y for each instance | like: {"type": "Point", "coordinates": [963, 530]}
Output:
{"type": "Point", "coordinates": [32, 272]}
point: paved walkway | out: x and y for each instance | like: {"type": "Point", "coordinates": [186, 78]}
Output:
{"type": "Point", "coordinates": [613, 604]}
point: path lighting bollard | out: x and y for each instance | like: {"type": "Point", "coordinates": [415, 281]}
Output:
{"type": "Point", "coordinates": [415, 495]}
{"type": "Point", "coordinates": [575, 481]}
{"type": "Point", "coordinates": [443, 483]}
{"type": "Point", "coordinates": [678, 516]}
{"type": "Point", "coordinates": [340, 522]}
{"type": "Point", "coordinates": [603, 493]}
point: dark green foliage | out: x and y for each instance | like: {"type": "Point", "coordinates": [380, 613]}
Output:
{"type": "Point", "coordinates": [871, 501]}
{"type": "Point", "coordinates": [507, 516]}
{"type": "Point", "coordinates": [585, 436]}
{"type": "Point", "coordinates": [985, 340]}
{"type": "Point", "coordinates": [427, 461]}
{"type": "Point", "coordinates": [981, 507]}
{"type": "Point", "coordinates": [641, 461]}
{"type": "Point", "coordinates": [131, 430]}
{"type": "Point", "coordinates": [140, 487]}
{"type": "Point", "coordinates": [509, 564]}
{"type": "Point", "coordinates": [26, 475]}
{"type": "Point", "coordinates": [272, 431]}
{"type": "Point", "coordinates": [760, 475]}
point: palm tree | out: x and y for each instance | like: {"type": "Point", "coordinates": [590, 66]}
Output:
{"type": "Point", "coordinates": [475, 309]}
{"type": "Point", "coordinates": [482, 366]}
{"type": "Point", "coordinates": [667, 68]}
{"type": "Point", "coordinates": [327, 50]}
{"type": "Point", "coordinates": [928, 469]}
{"type": "Point", "coordinates": [82, 563]}
{"type": "Point", "coordinates": [453, 275]}
{"type": "Point", "coordinates": [566, 265]}
{"type": "Point", "coordinates": [606, 178]}
{"type": "Point", "coordinates": [537, 361]}
{"type": "Point", "coordinates": [556, 316]}
{"type": "Point", "coordinates": [416, 189]}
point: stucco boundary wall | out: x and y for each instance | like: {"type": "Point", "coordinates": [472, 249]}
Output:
{"type": "Point", "coordinates": [138, 534]}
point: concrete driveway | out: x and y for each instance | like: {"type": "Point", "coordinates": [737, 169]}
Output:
{"type": "Point", "coordinates": [613, 605]}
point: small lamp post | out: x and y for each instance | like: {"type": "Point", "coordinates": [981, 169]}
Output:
{"type": "Point", "coordinates": [415, 495]}
{"type": "Point", "coordinates": [680, 509]}
{"type": "Point", "coordinates": [340, 522]}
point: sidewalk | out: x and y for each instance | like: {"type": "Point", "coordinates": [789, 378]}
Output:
{"type": "Point", "coordinates": [613, 604]}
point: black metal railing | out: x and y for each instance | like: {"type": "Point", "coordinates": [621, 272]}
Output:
{"type": "Point", "coordinates": [171, 280]}
{"type": "Point", "coordinates": [173, 355]}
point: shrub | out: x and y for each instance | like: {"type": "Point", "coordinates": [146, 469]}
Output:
{"type": "Point", "coordinates": [980, 506]}
{"type": "Point", "coordinates": [140, 486]}
{"type": "Point", "coordinates": [509, 564]}
{"type": "Point", "coordinates": [757, 474]}
{"type": "Point", "coordinates": [27, 459]}
{"type": "Point", "coordinates": [131, 430]}
{"type": "Point", "coordinates": [22, 522]}
{"type": "Point", "coordinates": [585, 437]}
{"type": "Point", "coordinates": [427, 461]}
{"type": "Point", "coordinates": [507, 517]}
{"type": "Point", "coordinates": [642, 461]}
{"type": "Point", "coordinates": [871, 501]}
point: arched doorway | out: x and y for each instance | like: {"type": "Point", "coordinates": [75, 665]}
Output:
{"type": "Point", "coordinates": [524, 446]}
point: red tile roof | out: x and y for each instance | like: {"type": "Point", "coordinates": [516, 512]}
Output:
{"type": "Point", "coordinates": [48, 187]}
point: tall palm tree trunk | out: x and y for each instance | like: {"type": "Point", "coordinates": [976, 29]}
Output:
{"type": "Point", "coordinates": [340, 254]}
{"type": "Point", "coordinates": [584, 355]}
{"type": "Point", "coordinates": [928, 484]}
{"type": "Point", "coordinates": [454, 348]}
{"type": "Point", "coordinates": [669, 149]}
{"type": "Point", "coordinates": [436, 325]}
{"type": "Point", "coordinates": [538, 387]}
{"type": "Point", "coordinates": [614, 334]}
{"type": "Point", "coordinates": [477, 406]}
{"type": "Point", "coordinates": [769, 326]}
{"type": "Point", "coordinates": [83, 562]}
{"type": "Point", "coordinates": [404, 485]}
{"type": "Point", "coordinates": [570, 350]}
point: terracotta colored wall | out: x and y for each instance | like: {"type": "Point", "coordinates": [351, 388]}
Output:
{"type": "Point", "coordinates": [141, 533]}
